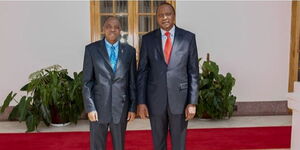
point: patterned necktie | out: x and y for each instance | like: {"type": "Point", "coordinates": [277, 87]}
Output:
{"type": "Point", "coordinates": [113, 58]}
{"type": "Point", "coordinates": [168, 48]}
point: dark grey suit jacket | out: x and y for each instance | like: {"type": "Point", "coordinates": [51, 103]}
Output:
{"type": "Point", "coordinates": [176, 84]}
{"type": "Point", "coordinates": [107, 92]}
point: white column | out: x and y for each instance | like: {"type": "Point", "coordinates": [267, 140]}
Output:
{"type": "Point", "coordinates": [294, 104]}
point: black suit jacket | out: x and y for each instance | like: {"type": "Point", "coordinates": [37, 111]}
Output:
{"type": "Point", "coordinates": [176, 84]}
{"type": "Point", "coordinates": [107, 92]}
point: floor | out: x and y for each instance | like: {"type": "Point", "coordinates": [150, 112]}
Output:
{"type": "Point", "coordinates": [139, 124]}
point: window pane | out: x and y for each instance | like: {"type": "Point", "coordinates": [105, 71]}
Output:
{"type": "Point", "coordinates": [298, 74]}
{"type": "Point", "coordinates": [298, 68]}
{"type": "Point", "coordinates": [144, 6]}
{"type": "Point", "coordinates": [155, 25]}
{"type": "Point", "coordinates": [144, 23]}
{"type": "Point", "coordinates": [140, 40]}
{"type": "Point", "coordinates": [106, 6]}
{"type": "Point", "coordinates": [155, 5]}
{"type": "Point", "coordinates": [124, 22]}
{"type": "Point", "coordinates": [121, 6]}
{"type": "Point", "coordinates": [124, 38]}
{"type": "Point", "coordinates": [299, 61]}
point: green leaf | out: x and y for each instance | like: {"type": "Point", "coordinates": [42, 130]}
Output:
{"type": "Point", "coordinates": [31, 123]}
{"type": "Point", "coordinates": [7, 101]}
{"type": "Point", "coordinates": [25, 87]}
{"type": "Point", "coordinates": [22, 109]}
{"type": "Point", "coordinates": [14, 113]}
{"type": "Point", "coordinates": [45, 114]}
{"type": "Point", "coordinates": [199, 59]}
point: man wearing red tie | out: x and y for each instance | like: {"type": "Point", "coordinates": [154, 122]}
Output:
{"type": "Point", "coordinates": [167, 81]}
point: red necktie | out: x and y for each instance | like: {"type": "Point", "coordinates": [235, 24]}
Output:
{"type": "Point", "coordinates": [168, 48]}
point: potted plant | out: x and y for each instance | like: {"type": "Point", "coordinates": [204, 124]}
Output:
{"type": "Point", "coordinates": [52, 97]}
{"type": "Point", "coordinates": [215, 92]}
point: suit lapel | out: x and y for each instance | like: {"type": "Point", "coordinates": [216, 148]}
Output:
{"type": "Point", "coordinates": [158, 43]}
{"type": "Point", "coordinates": [175, 46]}
{"type": "Point", "coordinates": [103, 52]}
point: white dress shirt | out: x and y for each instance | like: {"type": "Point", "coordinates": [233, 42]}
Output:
{"type": "Point", "coordinates": [164, 37]}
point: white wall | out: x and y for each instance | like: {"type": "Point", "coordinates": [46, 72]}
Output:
{"type": "Point", "coordinates": [34, 35]}
{"type": "Point", "coordinates": [249, 39]}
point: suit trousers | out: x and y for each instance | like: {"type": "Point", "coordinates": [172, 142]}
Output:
{"type": "Point", "coordinates": [99, 131]}
{"type": "Point", "coordinates": [161, 124]}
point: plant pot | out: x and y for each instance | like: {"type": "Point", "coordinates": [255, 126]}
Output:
{"type": "Point", "coordinates": [205, 115]}
{"type": "Point", "coordinates": [60, 124]}
{"type": "Point", "coordinates": [56, 119]}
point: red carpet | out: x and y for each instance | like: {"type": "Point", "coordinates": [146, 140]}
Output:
{"type": "Point", "coordinates": [197, 139]}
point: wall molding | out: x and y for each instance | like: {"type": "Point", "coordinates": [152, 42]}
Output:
{"type": "Point", "coordinates": [260, 108]}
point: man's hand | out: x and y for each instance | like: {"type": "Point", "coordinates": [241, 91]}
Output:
{"type": "Point", "coordinates": [130, 116]}
{"type": "Point", "coordinates": [190, 111]}
{"type": "Point", "coordinates": [142, 111]}
{"type": "Point", "coordinates": [93, 116]}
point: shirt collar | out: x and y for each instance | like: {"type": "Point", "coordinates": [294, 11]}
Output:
{"type": "Point", "coordinates": [172, 31]}
{"type": "Point", "coordinates": [116, 44]}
